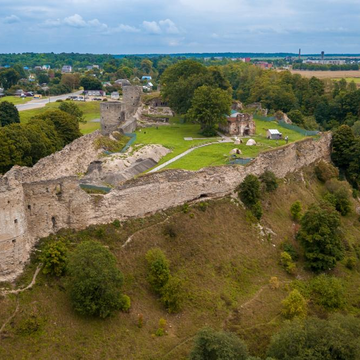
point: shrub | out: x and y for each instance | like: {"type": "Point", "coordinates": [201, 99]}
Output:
{"type": "Point", "coordinates": [325, 171]}
{"type": "Point", "coordinates": [290, 249]}
{"type": "Point", "coordinates": [320, 238]}
{"type": "Point", "coordinates": [336, 338]}
{"type": "Point", "coordinates": [249, 191]}
{"type": "Point", "coordinates": [295, 210]}
{"type": "Point", "coordinates": [287, 263]}
{"type": "Point", "coordinates": [95, 281]}
{"type": "Point", "coordinates": [54, 258]}
{"type": "Point", "coordinates": [218, 345]}
{"type": "Point", "coordinates": [350, 262]}
{"type": "Point", "coordinates": [294, 305]}
{"type": "Point", "coordinates": [274, 283]}
{"type": "Point", "coordinates": [338, 196]}
{"type": "Point", "coordinates": [172, 294]}
{"type": "Point", "coordinates": [72, 109]}
{"type": "Point", "coordinates": [140, 321]}
{"type": "Point", "coordinates": [268, 178]}
{"type": "Point", "coordinates": [170, 231]}
{"type": "Point", "coordinates": [256, 210]}
{"type": "Point", "coordinates": [116, 223]}
{"type": "Point", "coordinates": [203, 206]}
{"type": "Point", "coordinates": [158, 269]}
{"type": "Point", "coordinates": [327, 291]}
{"type": "Point", "coordinates": [30, 325]}
{"type": "Point", "coordinates": [125, 303]}
{"type": "Point", "coordinates": [161, 331]}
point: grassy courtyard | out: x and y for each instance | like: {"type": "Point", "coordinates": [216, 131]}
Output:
{"type": "Point", "coordinates": [172, 137]}
{"type": "Point", "coordinates": [91, 110]}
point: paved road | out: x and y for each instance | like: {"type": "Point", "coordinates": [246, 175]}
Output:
{"type": "Point", "coordinates": [34, 104]}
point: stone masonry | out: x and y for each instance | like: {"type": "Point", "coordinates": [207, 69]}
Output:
{"type": "Point", "coordinates": [34, 203]}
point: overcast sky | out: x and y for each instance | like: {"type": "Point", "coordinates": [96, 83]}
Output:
{"type": "Point", "coordinates": [172, 26]}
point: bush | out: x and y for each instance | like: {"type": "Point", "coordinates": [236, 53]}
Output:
{"type": "Point", "coordinates": [161, 331]}
{"type": "Point", "coordinates": [158, 269]}
{"type": "Point", "coordinates": [336, 338]}
{"type": "Point", "coordinates": [257, 210]}
{"type": "Point", "coordinates": [295, 210]}
{"type": "Point", "coordinates": [125, 303]}
{"type": "Point", "coordinates": [72, 109]}
{"type": "Point", "coordinates": [268, 178]}
{"type": "Point", "coordinates": [274, 283]}
{"type": "Point", "coordinates": [350, 262]}
{"type": "Point", "coordinates": [54, 258]}
{"type": "Point", "coordinates": [172, 295]}
{"type": "Point", "coordinates": [328, 292]}
{"type": "Point", "coordinates": [338, 196]}
{"type": "Point", "coordinates": [9, 114]}
{"type": "Point", "coordinates": [290, 249]}
{"type": "Point", "coordinates": [287, 262]}
{"type": "Point", "coordinates": [294, 305]}
{"type": "Point", "coordinates": [218, 345]}
{"type": "Point", "coordinates": [30, 325]}
{"type": "Point", "coordinates": [249, 191]}
{"type": "Point", "coordinates": [95, 281]}
{"type": "Point", "coordinates": [325, 171]}
{"type": "Point", "coordinates": [320, 238]}
{"type": "Point", "coordinates": [116, 223]}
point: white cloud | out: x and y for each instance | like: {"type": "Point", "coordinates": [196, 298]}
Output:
{"type": "Point", "coordinates": [11, 19]}
{"type": "Point", "coordinates": [51, 23]}
{"type": "Point", "coordinates": [75, 21]}
{"type": "Point", "coordinates": [151, 27]}
{"type": "Point", "coordinates": [169, 26]}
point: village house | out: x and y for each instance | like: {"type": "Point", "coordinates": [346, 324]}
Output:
{"type": "Point", "coordinates": [66, 69]}
{"type": "Point", "coordinates": [146, 78]}
{"type": "Point", "coordinates": [2, 92]}
{"type": "Point", "coordinates": [115, 95]}
{"type": "Point", "coordinates": [123, 82]}
{"type": "Point", "coordinates": [94, 93]}
{"type": "Point", "coordinates": [273, 134]}
{"type": "Point", "coordinates": [238, 124]}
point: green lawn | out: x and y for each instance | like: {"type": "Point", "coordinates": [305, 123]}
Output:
{"type": "Point", "coordinates": [91, 111]}
{"type": "Point", "coordinates": [16, 100]}
{"type": "Point", "coordinates": [172, 137]}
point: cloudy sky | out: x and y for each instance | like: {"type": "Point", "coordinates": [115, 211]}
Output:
{"type": "Point", "coordinates": [172, 26]}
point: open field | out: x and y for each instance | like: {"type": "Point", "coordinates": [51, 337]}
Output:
{"type": "Point", "coordinates": [172, 137]}
{"type": "Point", "coordinates": [91, 110]}
{"type": "Point", "coordinates": [220, 255]}
{"type": "Point", "coordinates": [16, 100]}
{"type": "Point", "coordinates": [328, 74]}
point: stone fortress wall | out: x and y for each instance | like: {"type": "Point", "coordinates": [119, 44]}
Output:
{"type": "Point", "coordinates": [35, 203]}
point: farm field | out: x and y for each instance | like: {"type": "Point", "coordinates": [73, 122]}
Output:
{"type": "Point", "coordinates": [91, 111]}
{"type": "Point", "coordinates": [172, 137]}
{"type": "Point", "coordinates": [328, 74]}
{"type": "Point", "coordinates": [16, 100]}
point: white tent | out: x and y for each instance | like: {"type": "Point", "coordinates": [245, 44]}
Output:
{"type": "Point", "coordinates": [251, 142]}
{"type": "Point", "coordinates": [235, 152]}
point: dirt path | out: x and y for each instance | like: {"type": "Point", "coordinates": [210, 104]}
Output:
{"type": "Point", "coordinates": [33, 281]}
{"type": "Point", "coordinates": [11, 317]}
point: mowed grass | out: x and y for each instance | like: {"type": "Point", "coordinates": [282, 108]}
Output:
{"type": "Point", "coordinates": [220, 255]}
{"type": "Point", "coordinates": [91, 110]}
{"type": "Point", "coordinates": [16, 100]}
{"type": "Point", "coordinates": [173, 136]}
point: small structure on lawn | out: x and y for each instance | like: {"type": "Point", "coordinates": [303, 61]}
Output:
{"type": "Point", "coordinates": [235, 152]}
{"type": "Point", "coordinates": [251, 142]}
{"type": "Point", "coordinates": [274, 134]}
{"type": "Point", "coordinates": [238, 124]}
{"type": "Point", "coordinates": [115, 95]}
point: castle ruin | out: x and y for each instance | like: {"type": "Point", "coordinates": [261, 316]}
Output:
{"type": "Point", "coordinates": [36, 202]}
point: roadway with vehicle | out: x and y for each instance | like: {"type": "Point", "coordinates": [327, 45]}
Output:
{"type": "Point", "coordinates": [39, 103]}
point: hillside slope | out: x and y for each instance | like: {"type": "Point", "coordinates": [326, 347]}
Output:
{"type": "Point", "coordinates": [225, 260]}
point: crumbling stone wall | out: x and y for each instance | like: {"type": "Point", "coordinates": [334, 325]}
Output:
{"type": "Point", "coordinates": [120, 115]}
{"type": "Point", "coordinates": [44, 207]}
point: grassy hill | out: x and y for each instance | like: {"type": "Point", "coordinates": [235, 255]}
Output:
{"type": "Point", "coordinates": [225, 260]}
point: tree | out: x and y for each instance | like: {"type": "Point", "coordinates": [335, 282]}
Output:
{"type": "Point", "coordinates": [342, 142]}
{"type": "Point", "coordinates": [65, 124]}
{"type": "Point", "coordinates": [218, 345]}
{"type": "Point", "coordinates": [295, 210]}
{"type": "Point", "coordinates": [158, 269]}
{"type": "Point", "coordinates": [9, 114]}
{"type": "Point", "coordinates": [90, 83]}
{"type": "Point", "coordinates": [146, 66]}
{"type": "Point", "coordinates": [72, 109]}
{"type": "Point", "coordinates": [249, 190]}
{"type": "Point", "coordinates": [95, 281]}
{"type": "Point", "coordinates": [9, 77]}
{"type": "Point", "coordinates": [209, 107]}
{"type": "Point", "coordinates": [296, 117]}
{"type": "Point", "coordinates": [54, 258]}
{"type": "Point", "coordinates": [172, 294]}
{"type": "Point", "coordinates": [43, 78]}
{"type": "Point", "coordinates": [294, 305]}
{"type": "Point", "coordinates": [268, 178]}
{"type": "Point", "coordinates": [72, 81]}
{"type": "Point", "coordinates": [356, 128]}
{"type": "Point", "coordinates": [337, 338]}
{"type": "Point", "coordinates": [319, 237]}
